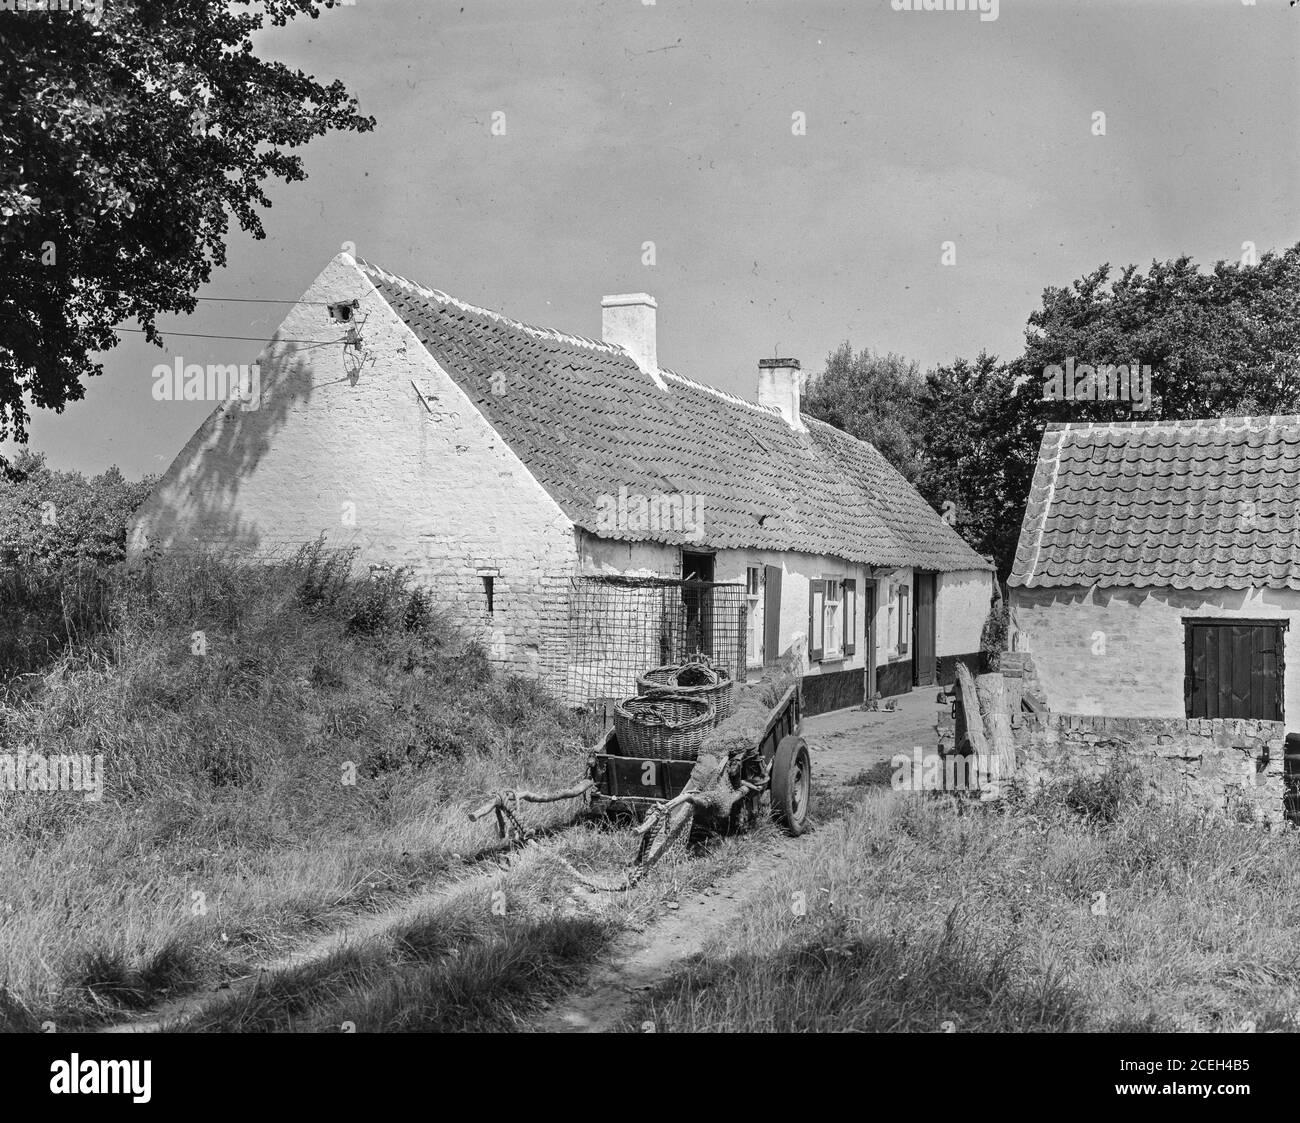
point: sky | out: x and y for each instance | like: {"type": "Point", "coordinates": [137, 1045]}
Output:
{"type": "Point", "coordinates": [674, 122]}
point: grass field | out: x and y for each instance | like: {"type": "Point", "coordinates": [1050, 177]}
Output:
{"type": "Point", "coordinates": [924, 914]}
{"type": "Point", "coordinates": [288, 750]}
{"type": "Point", "coordinates": [308, 758]}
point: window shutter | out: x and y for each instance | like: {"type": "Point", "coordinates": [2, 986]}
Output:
{"type": "Point", "coordinates": [772, 614]}
{"type": "Point", "coordinates": [850, 599]}
{"type": "Point", "coordinates": [816, 619]}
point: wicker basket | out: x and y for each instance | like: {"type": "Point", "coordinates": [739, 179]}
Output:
{"type": "Point", "coordinates": [662, 725]}
{"type": "Point", "coordinates": [694, 679]}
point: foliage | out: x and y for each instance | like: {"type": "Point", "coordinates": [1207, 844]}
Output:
{"type": "Point", "coordinates": [1097, 799]}
{"type": "Point", "coordinates": [977, 457]}
{"type": "Point", "coordinates": [872, 397]}
{"type": "Point", "coordinates": [130, 135]}
{"type": "Point", "coordinates": [993, 636]}
{"type": "Point", "coordinates": [51, 519]}
{"type": "Point", "coordinates": [296, 764]}
{"type": "Point", "coordinates": [1219, 342]}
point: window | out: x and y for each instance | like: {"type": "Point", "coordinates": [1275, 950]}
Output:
{"type": "Point", "coordinates": [904, 625]}
{"type": "Point", "coordinates": [489, 590]}
{"type": "Point", "coordinates": [832, 617]}
{"type": "Point", "coordinates": [1235, 668]}
{"type": "Point", "coordinates": [832, 625]}
{"type": "Point", "coordinates": [753, 618]}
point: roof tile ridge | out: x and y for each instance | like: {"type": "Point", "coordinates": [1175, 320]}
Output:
{"type": "Point", "coordinates": [724, 394]}
{"type": "Point", "coordinates": [552, 334]}
{"type": "Point", "coordinates": [1047, 504]}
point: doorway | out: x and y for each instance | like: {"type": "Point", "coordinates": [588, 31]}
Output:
{"type": "Point", "coordinates": [923, 627]}
{"type": "Point", "coordinates": [869, 638]}
{"type": "Point", "coordinates": [697, 602]}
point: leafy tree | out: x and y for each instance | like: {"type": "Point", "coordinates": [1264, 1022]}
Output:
{"type": "Point", "coordinates": [977, 459]}
{"type": "Point", "coordinates": [872, 397]}
{"type": "Point", "coordinates": [1222, 342]}
{"type": "Point", "coordinates": [50, 520]}
{"type": "Point", "coordinates": [130, 134]}
{"type": "Point", "coordinates": [1219, 343]}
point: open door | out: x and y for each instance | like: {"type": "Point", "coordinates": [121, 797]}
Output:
{"type": "Point", "coordinates": [697, 600]}
{"type": "Point", "coordinates": [923, 624]}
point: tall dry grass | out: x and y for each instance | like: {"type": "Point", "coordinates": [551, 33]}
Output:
{"type": "Point", "coordinates": [926, 914]}
{"type": "Point", "coordinates": [227, 830]}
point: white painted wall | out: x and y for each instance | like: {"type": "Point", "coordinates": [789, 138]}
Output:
{"type": "Point", "coordinates": [342, 445]}
{"type": "Point", "coordinates": [610, 557]}
{"type": "Point", "coordinates": [889, 609]}
{"type": "Point", "coordinates": [606, 556]}
{"type": "Point", "coordinates": [798, 571]}
{"type": "Point", "coordinates": [962, 601]}
{"type": "Point", "coordinates": [1121, 652]}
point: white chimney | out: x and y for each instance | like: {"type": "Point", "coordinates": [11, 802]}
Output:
{"type": "Point", "coordinates": [780, 384]}
{"type": "Point", "coordinates": [628, 319]}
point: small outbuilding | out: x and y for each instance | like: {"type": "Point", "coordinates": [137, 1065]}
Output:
{"type": "Point", "coordinates": [1158, 569]}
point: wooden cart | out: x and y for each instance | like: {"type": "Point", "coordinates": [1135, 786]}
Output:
{"type": "Point", "coordinates": [778, 762]}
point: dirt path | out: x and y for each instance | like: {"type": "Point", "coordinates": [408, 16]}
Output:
{"type": "Point", "coordinates": [179, 1012]}
{"type": "Point", "coordinates": [638, 960]}
{"type": "Point", "coordinates": [844, 746]}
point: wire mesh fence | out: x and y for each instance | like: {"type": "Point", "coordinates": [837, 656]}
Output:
{"type": "Point", "coordinates": [621, 627]}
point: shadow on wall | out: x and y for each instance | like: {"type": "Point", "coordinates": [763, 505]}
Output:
{"type": "Point", "coordinates": [1229, 600]}
{"type": "Point", "coordinates": [194, 505]}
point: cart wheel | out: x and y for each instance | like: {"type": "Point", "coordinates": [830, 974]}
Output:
{"type": "Point", "coordinates": [792, 784]}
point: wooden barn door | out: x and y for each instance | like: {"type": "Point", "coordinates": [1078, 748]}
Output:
{"type": "Point", "coordinates": [923, 630]}
{"type": "Point", "coordinates": [1234, 668]}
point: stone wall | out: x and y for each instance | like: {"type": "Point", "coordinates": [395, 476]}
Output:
{"type": "Point", "coordinates": [1230, 766]}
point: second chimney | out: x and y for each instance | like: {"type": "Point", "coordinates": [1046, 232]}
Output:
{"type": "Point", "coordinates": [628, 319]}
{"type": "Point", "coordinates": [780, 384]}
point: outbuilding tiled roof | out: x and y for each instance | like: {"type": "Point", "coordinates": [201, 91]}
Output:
{"type": "Point", "coordinates": [587, 421]}
{"type": "Point", "coordinates": [1187, 504]}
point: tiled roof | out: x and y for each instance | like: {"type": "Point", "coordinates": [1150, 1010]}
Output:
{"type": "Point", "coordinates": [1189, 504]}
{"type": "Point", "coordinates": [586, 421]}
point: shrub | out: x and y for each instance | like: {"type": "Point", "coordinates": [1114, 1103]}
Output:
{"type": "Point", "coordinates": [85, 519]}
{"type": "Point", "coordinates": [993, 638]}
{"type": "Point", "coordinates": [1095, 798]}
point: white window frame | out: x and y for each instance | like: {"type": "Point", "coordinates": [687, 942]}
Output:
{"type": "Point", "coordinates": [832, 620]}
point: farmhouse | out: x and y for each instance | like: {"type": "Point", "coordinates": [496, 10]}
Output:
{"type": "Point", "coordinates": [1158, 569]}
{"type": "Point", "coordinates": [583, 510]}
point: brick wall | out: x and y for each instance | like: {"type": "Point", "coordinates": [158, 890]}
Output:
{"type": "Point", "coordinates": [1120, 652]}
{"type": "Point", "coordinates": [342, 445]}
{"type": "Point", "coordinates": [1233, 767]}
